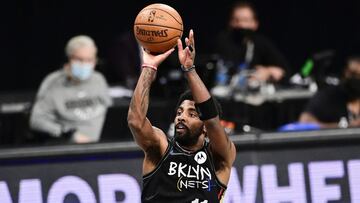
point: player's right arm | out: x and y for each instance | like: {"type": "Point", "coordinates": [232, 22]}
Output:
{"type": "Point", "coordinates": [150, 139]}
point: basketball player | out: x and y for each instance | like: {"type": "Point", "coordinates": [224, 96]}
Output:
{"type": "Point", "coordinates": [186, 168]}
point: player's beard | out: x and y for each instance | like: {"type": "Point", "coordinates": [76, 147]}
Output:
{"type": "Point", "coordinates": [188, 138]}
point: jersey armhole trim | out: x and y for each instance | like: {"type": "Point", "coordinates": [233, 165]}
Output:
{"type": "Point", "coordinates": [166, 154]}
{"type": "Point", "coordinates": [213, 167]}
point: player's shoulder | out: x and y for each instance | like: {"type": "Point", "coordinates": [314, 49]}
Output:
{"type": "Point", "coordinates": [164, 140]}
{"type": "Point", "coordinates": [160, 133]}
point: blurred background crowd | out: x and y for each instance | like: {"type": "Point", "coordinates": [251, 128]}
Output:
{"type": "Point", "coordinates": [69, 67]}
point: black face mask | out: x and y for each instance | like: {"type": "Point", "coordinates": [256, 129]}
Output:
{"type": "Point", "coordinates": [238, 34]}
{"type": "Point", "coordinates": [352, 87]}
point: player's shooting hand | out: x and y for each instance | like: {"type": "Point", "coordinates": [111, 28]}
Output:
{"type": "Point", "coordinates": [187, 55]}
{"type": "Point", "coordinates": [155, 60]}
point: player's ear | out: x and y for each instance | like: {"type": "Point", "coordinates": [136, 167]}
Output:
{"type": "Point", "coordinates": [204, 131]}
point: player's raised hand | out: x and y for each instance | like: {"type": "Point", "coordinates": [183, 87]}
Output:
{"type": "Point", "coordinates": [155, 60]}
{"type": "Point", "coordinates": [187, 55]}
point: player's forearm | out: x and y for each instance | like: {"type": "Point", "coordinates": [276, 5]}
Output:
{"type": "Point", "coordinates": [197, 87]}
{"type": "Point", "coordinates": [140, 101]}
{"type": "Point", "coordinates": [201, 94]}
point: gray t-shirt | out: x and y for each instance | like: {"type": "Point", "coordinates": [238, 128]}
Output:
{"type": "Point", "coordinates": [63, 104]}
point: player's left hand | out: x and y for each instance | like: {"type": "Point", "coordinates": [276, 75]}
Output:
{"type": "Point", "coordinates": [187, 55]}
{"type": "Point", "coordinates": [154, 60]}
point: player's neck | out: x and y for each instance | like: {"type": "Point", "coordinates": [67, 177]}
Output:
{"type": "Point", "coordinates": [195, 147]}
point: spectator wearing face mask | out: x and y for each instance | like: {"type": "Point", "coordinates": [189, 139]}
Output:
{"type": "Point", "coordinates": [241, 47]}
{"type": "Point", "coordinates": [72, 102]}
{"type": "Point", "coordinates": [337, 106]}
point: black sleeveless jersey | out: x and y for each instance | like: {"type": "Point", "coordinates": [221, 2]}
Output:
{"type": "Point", "coordinates": [183, 177]}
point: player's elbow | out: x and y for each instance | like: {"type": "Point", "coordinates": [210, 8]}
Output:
{"type": "Point", "coordinates": [131, 119]}
{"type": "Point", "coordinates": [134, 120]}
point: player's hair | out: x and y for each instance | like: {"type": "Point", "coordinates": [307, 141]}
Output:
{"type": "Point", "coordinates": [187, 95]}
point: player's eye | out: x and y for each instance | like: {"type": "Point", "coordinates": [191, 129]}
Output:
{"type": "Point", "coordinates": [178, 113]}
{"type": "Point", "coordinates": [193, 115]}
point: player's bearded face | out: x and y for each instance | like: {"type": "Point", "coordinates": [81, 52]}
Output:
{"type": "Point", "coordinates": [188, 126]}
{"type": "Point", "coordinates": [186, 136]}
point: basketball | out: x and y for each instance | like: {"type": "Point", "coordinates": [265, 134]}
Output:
{"type": "Point", "coordinates": [157, 28]}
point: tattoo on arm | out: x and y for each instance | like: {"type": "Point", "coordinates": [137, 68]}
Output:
{"type": "Point", "coordinates": [145, 92]}
{"type": "Point", "coordinates": [140, 99]}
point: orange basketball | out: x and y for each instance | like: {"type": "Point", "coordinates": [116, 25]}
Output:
{"type": "Point", "coordinates": [157, 27]}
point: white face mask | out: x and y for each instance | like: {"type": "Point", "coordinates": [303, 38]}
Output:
{"type": "Point", "coordinates": [81, 71]}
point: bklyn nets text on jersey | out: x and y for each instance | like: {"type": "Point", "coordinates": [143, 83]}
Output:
{"type": "Point", "coordinates": [197, 177]}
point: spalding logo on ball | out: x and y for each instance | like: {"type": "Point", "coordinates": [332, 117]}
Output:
{"type": "Point", "coordinates": [157, 28]}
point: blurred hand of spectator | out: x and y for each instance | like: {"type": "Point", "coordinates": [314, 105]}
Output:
{"type": "Point", "coordinates": [81, 138]}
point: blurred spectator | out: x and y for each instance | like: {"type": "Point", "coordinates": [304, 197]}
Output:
{"type": "Point", "coordinates": [242, 48]}
{"type": "Point", "coordinates": [72, 102]}
{"type": "Point", "coordinates": [337, 106]}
